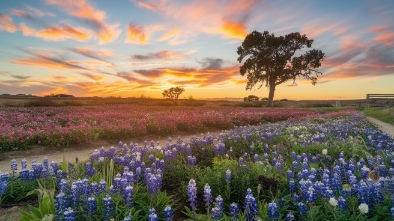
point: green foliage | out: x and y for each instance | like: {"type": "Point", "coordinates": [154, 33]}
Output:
{"type": "Point", "coordinates": [173, 93]}
{"type": "Point", "coordinates": [385, 114]}
{"type": "Point", "coordinates": [46, 207]}
{"type": "Point", "coordinates": [271, 60]}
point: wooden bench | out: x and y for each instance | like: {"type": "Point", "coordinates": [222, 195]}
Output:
{"type": "Point", "coordinates": [388, 99]}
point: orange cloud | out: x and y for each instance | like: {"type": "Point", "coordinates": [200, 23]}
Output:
{"type": "Point", "coordinates": [61, 33]}
{"type": "Point", "coordinates": [94, 77]}
{"type": "Point", "coordinates": [56, 33]}
{"type": "Point", "coordinates": [386, 38]}
{"type": "Point", "coordinates": [380, 28]}
{"type": "Point", "coordinates": [152, 5]}
{"type": "Point", "coordinates": [234, 29]}
{"type": "Point", "coordinates": [136, 35]}
{"type": "Point", "coordinates": [170, 34]}
{"type": "Point", "coordinates": [212, 17]}
{"type": "Point", "coordinates": [7, 24]}
{"type": "Point", "coordinates": [86, 12]}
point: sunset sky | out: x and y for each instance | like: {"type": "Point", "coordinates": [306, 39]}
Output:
{"type": "Point", "coordinates": [130, 48]}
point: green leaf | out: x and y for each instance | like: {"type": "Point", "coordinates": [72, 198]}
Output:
{"type": "Point", "coordinates": [64, 163]}
{"type": "Point", "coordinates": [35, 211]}
{"type": "Point", "coordinates": [25, 215]}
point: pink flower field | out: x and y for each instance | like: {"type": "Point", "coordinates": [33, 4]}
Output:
{"type": "Point", "coordinates": [62, 126]}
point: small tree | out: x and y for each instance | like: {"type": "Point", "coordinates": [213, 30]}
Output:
{"type": "Point", "coordinates": [271, 60]}
{"type": "Point", "coordinates": [173, 93]}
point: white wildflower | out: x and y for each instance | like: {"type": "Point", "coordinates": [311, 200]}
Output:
{"type": "Point", "coordinates": [324, 151]}
{"type": "Point", "coordinates": [333, 202]}
{"type": "Point", "coordinates": [363, 208]}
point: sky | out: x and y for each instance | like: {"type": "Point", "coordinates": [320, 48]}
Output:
{"type": "Point", "coordinates": [134, 48]}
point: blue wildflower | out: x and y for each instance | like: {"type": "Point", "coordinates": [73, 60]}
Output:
{"type": "Point", "coordinates": [168, 213]}
{"type": "Point", "coordinates": [272, 211]}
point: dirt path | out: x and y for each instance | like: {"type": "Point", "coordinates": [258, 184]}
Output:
{"type": "Point", "coordinates": [383, 125]}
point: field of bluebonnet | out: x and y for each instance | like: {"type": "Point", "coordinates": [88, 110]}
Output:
{"type": "Point", "coordinates": [327, 166]}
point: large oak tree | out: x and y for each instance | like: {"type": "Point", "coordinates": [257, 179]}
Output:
{"type": "Point", "coordinates": [272, 60]}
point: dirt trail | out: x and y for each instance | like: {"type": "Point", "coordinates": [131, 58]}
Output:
{"type": "Point", "coordinates": [383, 125]}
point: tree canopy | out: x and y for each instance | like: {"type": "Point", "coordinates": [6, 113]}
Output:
{"type": "Point", "coordinates": [272, 60]}
{"type": "Point", "coordinates": [173, 93]}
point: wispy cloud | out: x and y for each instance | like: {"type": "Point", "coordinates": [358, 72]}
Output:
{"type": "Point", "coordinates": [227, 19]}
{"type": "Point", "coordinates": [21, 77]}
{"type": "Point", "coordinates": [56, 33]}
{"type": "Point", "coordinates": [153, 5]}
{"type": "Point", "coordinates": [31, 12]}
{"type": "Point", "coordinates": [7, 24]}
{"type": "Point", "coordinates": [165, 55]}
{"type": "Point", "coordinates": [91, 16]}
{"type": "Point", "coordinates": [94, 77]}
{"type": "Point", "coordinates": [100, 55]}
{"type": "Point", "coordinates": [136, 35]}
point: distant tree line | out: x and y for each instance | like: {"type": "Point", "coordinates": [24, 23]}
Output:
{"type": "Point", "coordinates": [59, 95]}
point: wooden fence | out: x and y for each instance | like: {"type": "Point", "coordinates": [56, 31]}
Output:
{"type": "Point", "coordinates": [380, 99]}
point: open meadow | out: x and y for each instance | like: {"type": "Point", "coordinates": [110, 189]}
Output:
{"type": "Point", "coordinates": [297, 164]}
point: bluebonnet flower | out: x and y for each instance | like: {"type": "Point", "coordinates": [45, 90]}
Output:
{"type": "Point", "coordinates": [345, 193]}
{"type": "Point", "coordinates": [377, 193]}
{"type": "Point", "coordinates": [311, 195]}
{"type": "Point", "coordinates": [192, 193]}
{"type": "Point", "coordinates": [392, 211]}
{"type": "Point", "coordinates": [207, 195]}
{"type": "Point", "coordinates": [382, 171]}
{"type": "Point", "coordinates": [289, 174]}
{"type": "Point", "coordinates": [292, 186]}
{"type": "Point", "coordinates": [228, 176]}
{"type": "Point", "coordinates": [14, 166]}
{"type": "Point", "coordinates": [216, 213]}
{"type": "Point", "coordinates": [272, 211]}
{"type": "Point", "coordinates": [341, 204]}
{"type": "Point", "coordinates": [234, 210]}
{"type": "Point", "coordinates": [102, 187]}
{"type": "Point", "coordinates": [108, 208]}
{"type": "Point", "coordinates": [69, 215]}
{"type": "Point", "coordinates": [128, 196]}
{"type": "Point", "coordinates": [60, 204]}
{"type": "Point", "coordinates": [251, 209]}
{"type": "Point", "coordinates": [290, 217]}
{"type": "Point", "coordinates": [296, 198]}
{"type": "Point", "coordinates": [256, 158]}
{"type": "Point", "coordinates": [24, 175]}
{"type": "Point", "coordinates": [168, 213]}
{"type": "Point", "coordinates": [91, 206]}
{"type": "Point", "coordinates": [191, 160]}
{"type": "Point", "coordinates": [219, 203]}
{"type": "Point", "coordinates": [152, 215]}
{"type": "Point", "coordinates": [45, 163]}
{"type": "Point", "coordinates": [302, 209]}
{"type": "Point", "coordinates": [23, 164]}
{"type": "Point", "coordinates": [89, 169]}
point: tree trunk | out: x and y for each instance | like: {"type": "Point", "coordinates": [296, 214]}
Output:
{"type": "Point", "coordinates": [271, 94]}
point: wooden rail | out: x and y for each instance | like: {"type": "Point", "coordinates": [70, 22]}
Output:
{"type": "Point", "coordinates": [373, 98]}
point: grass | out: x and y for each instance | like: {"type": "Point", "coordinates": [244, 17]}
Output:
{"type": "Point", "coordinates": [385, 114]}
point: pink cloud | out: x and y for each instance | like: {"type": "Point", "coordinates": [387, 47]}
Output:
{"type": "Point", "coordinates": [86, 12]}
{"type": "Point", "coordinates": [136, 35]}
{"type": "Point", "coordinates": [56, 33]}
{"type": "Point", "coordinates": [386, 38]}
{"type": "Point", "coordinates": [7, 24]}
